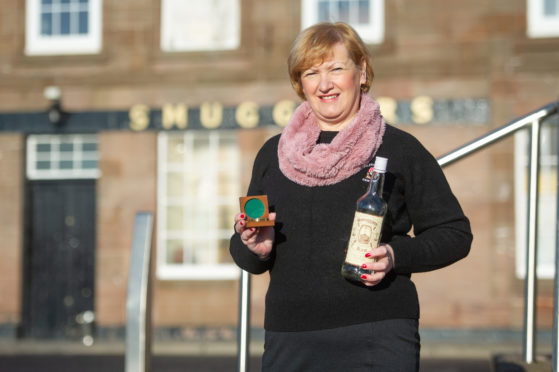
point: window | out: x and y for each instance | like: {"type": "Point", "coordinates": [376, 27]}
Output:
{"type": "Point", "coordinates": [198, 195]}
{"type": "Point", "coordinates": [543, 18]}
{"type": "Point", "coordinates": [547, 200]}
{"type": "Point", "coordinates": [62, 157]}
{"type": "Point", "coordinates": [193, 25]}
{"type": "Point", "coordinates": [365, 16]}
{"type": "Point", "coordinates": [63, 27]}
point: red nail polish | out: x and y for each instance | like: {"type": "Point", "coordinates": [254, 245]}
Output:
{"type": "Point", "coordinates": [367, 255]}
{"type": "Point", "coordinates": [363, 276]}
{"type": "Point", "coordinates": [364, 266]}
{"type": "Point", "coordinates": [241, 223]}
{"type": "Point", "coordinates": [242, 216]}
{"type": "Point", "coordinates": [252, 229]}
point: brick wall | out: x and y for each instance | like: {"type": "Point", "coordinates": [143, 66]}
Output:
{"type": "Point", "coordinates": [126, 186]}
{"type": "Point", "coordinates": [11, 223]}
{"type": "Point", "coordinates": [435, 48]}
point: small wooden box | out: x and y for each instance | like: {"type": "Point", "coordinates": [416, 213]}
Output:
{"type": "Point", "coordinates": [256, 211]}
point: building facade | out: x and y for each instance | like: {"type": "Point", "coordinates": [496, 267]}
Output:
{"type": "Point", "coordinates": [108, 108]}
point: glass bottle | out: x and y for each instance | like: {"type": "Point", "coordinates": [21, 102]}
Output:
{"type": "Point", "coordinates": [367, 224]}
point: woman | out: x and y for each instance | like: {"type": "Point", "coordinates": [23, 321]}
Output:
{"type": "Point", "coordinates": [313, 174]}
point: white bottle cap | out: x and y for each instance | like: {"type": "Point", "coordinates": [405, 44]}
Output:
{"type": "Point", "coordinates": [380, 164]}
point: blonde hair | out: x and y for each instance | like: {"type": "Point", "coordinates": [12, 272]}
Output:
{"type": "Point", "coordinates": [314, 44]}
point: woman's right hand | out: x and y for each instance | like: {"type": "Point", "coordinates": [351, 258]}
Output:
{"type": "Point", "coordinates": [259, 240]}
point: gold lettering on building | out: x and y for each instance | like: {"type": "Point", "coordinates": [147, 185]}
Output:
{"type": "Point", "coordinates": [388, 106]}
{"type": "Point", "coordinates": [282, 112]}
{"type": "Point", "coordinates": [422, 109]}
{"type": "Point", "coordinates": [139, 117]}
{"type": "Point", "coordinates": [247, 115]}
{"type": "Point", "coordinates": [174, 115]}
{"type": "Point", "coordinates": [211, 114]}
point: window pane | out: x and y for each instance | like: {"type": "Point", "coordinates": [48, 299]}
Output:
{"type": "Point", "coordinates": [190, 182]}
{"type": "Point", "coordinates": [202, 185]}
{"type": "Point", "coordinates": [89, 147]}
{"type": "Point", "coordinates": [550, 7]}
{"type": "Point", "coordinates": [225, 215]}
{"type": "Point", "coordinates": [552, 137]}
{"type": "Point", "coordinates": [66, 147]}
{"type": "Point", "coordinates": [175, 252]}
{"type": "Point", "coordinates": [343, 11]}
{"type": "Point", "coordinates": [46, 24]}
{"type": "Point", "coordinates": [200, 149]}
{"type": "Point", "coordinates": [228, 150]}
{"type": "Point", "coordinates": [89, 164]}
{"type": "Point", "coordinates": [227, 184]}
{"type": "Point", "coordinates": [66, 164]}
{"type": "Point", "coordinates": [65, 23]}
{"type": "Point", "coordinates": [199, 199]}
{"type": "Point", "coordinates": [366, 16]}
{"type": "Point", "coordinates": [174, 218]}
{"type": "Point", "coordinates": [83, 23]}
{"type": "Point", "coordinates": [64, 27]}
{"type": "Point", "coordinates": [200, 25]}
{"type": "Point", "coordinates": [227, 153]}
{"type": "Point", "coordinates": [223, 251]}
{"type": "Point", "coordinates": [175, 150]}
{"type": "Point", "coordinates": [62, 157]}
{"type": "Point", "coordinates": [364, 12]}
{"type": "Point", "coordinates": [323, 11]}
{"type": "Point", "coordinates": [547, 219]}
{"type": "Point", "coordinates": [175, 184]}
{"type": "Point", "coordinates": [43, 147]}
{"type": "Point", "coordinates": [43, 164]}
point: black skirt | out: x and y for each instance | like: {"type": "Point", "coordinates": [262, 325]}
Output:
{"type": "Point", "coordinates": [383, 346]}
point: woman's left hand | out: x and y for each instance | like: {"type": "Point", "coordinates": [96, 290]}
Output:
{"type": "Point", "coordinates": [384, 262]}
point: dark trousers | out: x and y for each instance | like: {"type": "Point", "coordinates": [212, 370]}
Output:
{"type": "Point", "coordinates": [383, 346]}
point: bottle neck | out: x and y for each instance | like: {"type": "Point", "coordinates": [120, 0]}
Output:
{"type": "Point", "coordinates": [376, 184]}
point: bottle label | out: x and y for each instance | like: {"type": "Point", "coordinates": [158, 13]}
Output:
{"type": "Point", "coordinates": [365, 235]}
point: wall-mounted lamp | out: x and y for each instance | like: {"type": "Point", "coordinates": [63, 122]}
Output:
{"type": "Point", "coordinates": [54, 112]}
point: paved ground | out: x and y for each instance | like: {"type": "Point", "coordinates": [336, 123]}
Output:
{"type": "Point", "coordinates": [115, 363]}
{"type": "Point", "coordinates": [29, 356]}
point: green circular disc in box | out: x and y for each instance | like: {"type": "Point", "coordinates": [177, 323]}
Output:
{"type": "Point", "coordinates": [254, 208]}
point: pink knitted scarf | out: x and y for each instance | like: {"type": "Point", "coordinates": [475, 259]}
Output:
{"type": "Point", "coordinates": [307, 163]}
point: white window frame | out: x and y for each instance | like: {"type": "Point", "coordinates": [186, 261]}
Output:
{"type": "Point", "coordinates": [372, 33]}
{"type": "Point", "coordinates": [209, 198]}
{"type": "Point", "coordinates": [540, 25]}
{"type": "Point", "coordinates": [547, 217]}
{"type": "Point", "coordinates": [55, 155]}
{"type": "Point", "coordinates": [37, 44]}
{"type": "Point", "coordinates": [193, 25]}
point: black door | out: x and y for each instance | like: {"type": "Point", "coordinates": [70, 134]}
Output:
{"type": "Point", "coordinates": [60, 247]}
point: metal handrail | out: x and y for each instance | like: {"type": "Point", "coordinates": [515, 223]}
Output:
{"type": "Point", "coordinates": [138, 297]}
{"type": "Point", "coordinates": [243, 332]}
{"type": "Point", "coordinates": [498, 134]}
{"type": "Point", "coordinates": [532, 120]}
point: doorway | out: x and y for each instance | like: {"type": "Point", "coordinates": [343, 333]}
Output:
{"type": "Point", "coordinates": [60, 258]}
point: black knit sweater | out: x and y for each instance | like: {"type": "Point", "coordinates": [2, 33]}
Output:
{"type": "Point", "coordinates": [307, 291]}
